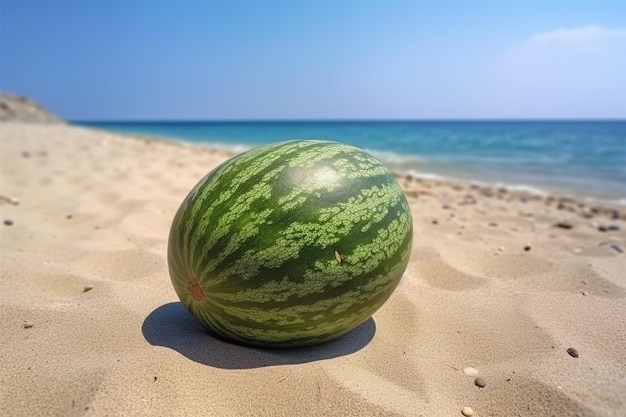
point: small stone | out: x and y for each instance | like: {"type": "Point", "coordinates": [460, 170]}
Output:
{"type": "Point", "coordinates": [563, 225]}
{"type": "Point", "coordinates": [467, 411]}
{"type": "Point", "coordinates": [527, 248]}
{"type": "Point", "coordinates": [608, 228]}
{"type": "Point", "coordinates": [9, 200]}
{"type": "Point", "coordinates": [88, 288]}
{"type": "Point", "coordinates": [584, 293]}
{"type": "Point", "coordinates": [493, 224]}
{"type": "Point", "coordinates": [480, 382]}
{"type": "Point", "coordinates": [446, 207]}
{"type": "Point", "coordinates": [68, 217]}
{"type": "Point", "coordinates": [501, 248]}
{"type": "Point", "coordinates": [435, 222]}
{"type": "Point", "coordinates": [470, 371]}
{"type": "Point", "coordinates": [25, 154]}
{"type": "Point", "coordinates": [8, 222]}
{"type": "Point", "coordinates": [572, 352]}
{"type": "Point", "coordinates": [27, 325]}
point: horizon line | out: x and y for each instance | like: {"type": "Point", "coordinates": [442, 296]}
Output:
{"type": "Point", "coordinates": [351, 120]}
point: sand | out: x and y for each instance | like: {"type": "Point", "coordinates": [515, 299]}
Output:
{"type": "Point", "coordinates": [500, 285]}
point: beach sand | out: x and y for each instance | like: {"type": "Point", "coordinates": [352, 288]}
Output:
{"type": "Point", "coordinates": [525, 292]}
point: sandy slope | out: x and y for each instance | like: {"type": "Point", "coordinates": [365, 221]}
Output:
{"type": "Point", "coordinates": [91, 325]}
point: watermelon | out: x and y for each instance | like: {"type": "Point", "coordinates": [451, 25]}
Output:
{"type": "Point", "coordinates": [290, 244]}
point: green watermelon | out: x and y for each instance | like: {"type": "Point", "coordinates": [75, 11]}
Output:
{"type": "Point", "coordinates": [290, 244]}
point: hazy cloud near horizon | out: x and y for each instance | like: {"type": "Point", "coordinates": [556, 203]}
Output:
{"type": "Point", "coordinates": [564, 72]}
{"type": "Point", "coordinates": [591, 32]}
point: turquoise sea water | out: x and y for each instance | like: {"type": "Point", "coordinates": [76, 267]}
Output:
{"type": "Point", "coordinates": [568, 157]}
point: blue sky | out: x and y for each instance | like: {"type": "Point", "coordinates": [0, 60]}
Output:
{"type": "Point", "coordinates": [122, 59]}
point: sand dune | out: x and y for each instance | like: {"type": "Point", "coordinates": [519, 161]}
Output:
{"type": "Point", "coordinates": [500, 285]}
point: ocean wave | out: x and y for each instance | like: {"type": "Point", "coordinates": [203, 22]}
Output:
{"type": "Point", "coordinates": [427, 175]}
{"type": "Point", "coordinates": [235, 148]}
{"type": "Point", "coordinates": [526, 188]}
{"type": "Point", "coordinates": [621, 201]}
{"type": "Point", "coordinates": [395, 159]}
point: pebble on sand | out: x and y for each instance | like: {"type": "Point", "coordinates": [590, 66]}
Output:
{"type": "Point", "coordinates": [527, 248]}
{"type": "Point", "coordinates": [587, 214]}
{"type": "Point", "coordinates": [470, 371]}
{"type": "Point", "coordinates": [467, 411]}
{"type": "Point", "coordinates": [480, 382]}
{"type": "Point", "coordinates": [27, 325]}
{"type": "Point", "coordinates": [609, 228]}
{"type": "Point", "coordinates": [9, 200]}
{"type": "Point", "coordinates": [572, 352]}
{"type": "Point", "coordinates": [612, 245]}
{"type": "Point", "coordinates": [8, 222]}
{"type": "Point", "coordinates": [563, 225]}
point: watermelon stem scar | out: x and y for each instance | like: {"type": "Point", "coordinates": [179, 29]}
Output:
{"type": "Point", "coordinates": [194, 289]}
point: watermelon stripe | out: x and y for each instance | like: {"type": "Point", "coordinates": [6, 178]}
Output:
{"type": "Point", "coordinates": [364, 259]}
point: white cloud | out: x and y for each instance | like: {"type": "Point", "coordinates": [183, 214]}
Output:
{"type": "Point", "coordinates": [580, 34]}
{"type": "Point", "coordinates": [572, 72]}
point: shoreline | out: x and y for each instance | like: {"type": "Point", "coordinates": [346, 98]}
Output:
{"type": "Point", "coordinates": [545, 190]}
{"type": "Point", "coordinates": [512, 304]}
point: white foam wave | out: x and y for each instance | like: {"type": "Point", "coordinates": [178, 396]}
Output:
{"type": "Point", "coordinates": [426, 175]}
{"type": "Point", "coordinates": [621, 201]}
{"type": "Point", "coordinates": [395, 159]}
{"type": "Point", "coordinates": [522, 187]}
{"type": "Point", "coordinates": [236, 148]}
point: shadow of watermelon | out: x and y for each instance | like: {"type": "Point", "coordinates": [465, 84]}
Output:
{"type": "Point", "coordinates": [172, 326]}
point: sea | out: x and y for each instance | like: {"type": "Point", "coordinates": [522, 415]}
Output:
{"type": "Point", "coordinates": [577, 158]}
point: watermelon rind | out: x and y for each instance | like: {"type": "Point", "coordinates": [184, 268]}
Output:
{"type": "Point", "coordinates": [290, 244]}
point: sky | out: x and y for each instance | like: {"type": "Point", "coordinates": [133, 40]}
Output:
{"type": "Point", "coordinates": [240, 60]}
